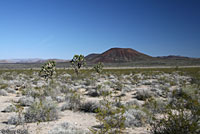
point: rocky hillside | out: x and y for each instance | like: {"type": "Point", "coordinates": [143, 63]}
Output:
{"type": "Point", "coordinates": [117, 55]}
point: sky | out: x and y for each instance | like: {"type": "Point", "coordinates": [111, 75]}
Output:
{"type": "Point", "coordinates": [61, 28]}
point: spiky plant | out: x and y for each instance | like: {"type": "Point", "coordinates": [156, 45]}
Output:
{"type": "Point", "coordinates": [98, 67]}
{"type": "Point", "coordinates": [47, 70]}
{"type": "Point", "coordinates": [77, 62]}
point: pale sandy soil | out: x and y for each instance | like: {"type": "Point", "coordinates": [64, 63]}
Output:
{"type": "Point", "coordinates": [78, 119]}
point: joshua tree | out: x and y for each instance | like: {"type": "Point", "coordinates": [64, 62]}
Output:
{"type": "Point", "coordinates": [48, 69]}
{"type": "Point", "coordinates": [98, 67]}
{"type": "Point", "coordinates": [77, 62]}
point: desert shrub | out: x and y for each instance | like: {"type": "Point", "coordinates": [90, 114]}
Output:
{"type": "Point", "coordinates": [191, 90]}
{"type": "Point", "coordinates": [143, 94]}
{"type": "Point", "coordinates": [110, 117]}
{"type": "Point", "coordinates": [10, 90]}
{"type": "Point", "coordinates": [77, 62]}
{"type": "Point", "coordinates": [196, 79]}
{"type": "Point", "coordinates": [93, 93]}
{"type": "Point", "coordinates": [65, 89]}
{"type": "Point", "coordinates": [18, 118]}
{"type": "Point", "coordinates": [133, 103]}
{"type": "Point", "coordinates": [99, 91]}
{"type": "Point", "coordinates": [3, 92]}
{"type": "Point", "coordinates": [66, 128]}
{"type": "Point", "coordinates": [15, 120]}
{"type": "Point", "coordinates": [98, 67]}
{"type": "Point", "coordinates": [41, 111]}
{"type": "Point", "coordinates": [182, 116]}
{"type": "Point", "coordinates": [10, 108]}
{"type": "Point", "coordinates": [3, 85]}
{"type": "Point", "coordinates": [8, 77]}
{"type": "Point", "coordinates": [47, 70]}
{"type": "Point", "coordinates": [52, 89]}
{"type": "Point", "coordinates": [90, 82]}
{"type": "Point", "coordinates": [32, 92]}
{"type": "Point", "coordinates": [135, 79]}
{"type": "Point", "coordinates": [89, 107]}
{"type": "Point", "coordinates": [134, 118]}
{"type": "Point", "coordinates": [60, 99]}
{"type": "Point", "coordinates": [118, 86]}
{"type": "Point", "coordinates": [26, 101]}
{"type": "Point", "coordinates": [72, 101]}
{"type": "Point", "coordinates": [155, 105]}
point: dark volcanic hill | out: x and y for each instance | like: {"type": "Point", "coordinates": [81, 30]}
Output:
{"type": "Point", "coordinates": [115, 55]}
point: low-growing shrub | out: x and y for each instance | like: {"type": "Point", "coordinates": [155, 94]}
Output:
{"type": "Point", "coordinates": [118, 86]}
{"type": "Point", "coordinates": [41, 111]}
{"type": "Point", "coordinates": [3, 92]}
{"type": "Point", "coordinates": [89, 107]}
{"type": "Point", "coordinates": [182, 116]}
{"type": "Point", "coordinates": [143, 94]}
{"type": "Point", "coordinates": [26, 101]}
{"type": "Point", "coordinates": [111, 118]}
{"type": "Point", "coordinates": [134, 118]}
{"type": "Point", "coordinates": [155, 105]}
{"type": "Point", "coordinates": [33, 92]}
{"type": "Point", "coordinates": [10, 108]}
{"type": "Point", "coordinates": [15, 120]}
{"type": "Point", "coordinates": [72, 101]}
{"type": "Point", "coordinates": [66, 128]}
{"type": "Point", "coordinates": [10, 90]}
{"type": "Point", "coordinates": [98, 91]}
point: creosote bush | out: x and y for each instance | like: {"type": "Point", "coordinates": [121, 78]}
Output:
{"type": "Point", "coordinates": [110, 117]}
{"type": "Point", "coordinates": [182, 116]}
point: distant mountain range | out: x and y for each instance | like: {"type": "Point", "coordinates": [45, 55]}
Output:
{"type": "Point", "coordinates": [113, 55]}
{"type": "Point", "coordinates": [35, 60]}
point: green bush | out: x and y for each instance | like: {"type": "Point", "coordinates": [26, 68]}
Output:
{"type": "Point", "coordinates": [110, 117]}
{"type": "Point", "coordinates": [182, 116]}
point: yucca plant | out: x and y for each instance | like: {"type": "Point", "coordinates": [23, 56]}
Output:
{"type": "Point", "coordinates": [77, 62]}
{"type": "Point", "coordinates": [98, 67]}
{"type": "Point", "coordinates": [47, 70]}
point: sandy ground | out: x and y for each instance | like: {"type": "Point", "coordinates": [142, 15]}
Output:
{"type": "Point", "coordinates": [78, 119]}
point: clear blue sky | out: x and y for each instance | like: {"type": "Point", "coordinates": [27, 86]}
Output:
{"type": "Point", "coordinates": [62, 28]}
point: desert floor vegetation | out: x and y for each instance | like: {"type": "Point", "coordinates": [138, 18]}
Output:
{"type": "Point", "coordinates": [133, 101]}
